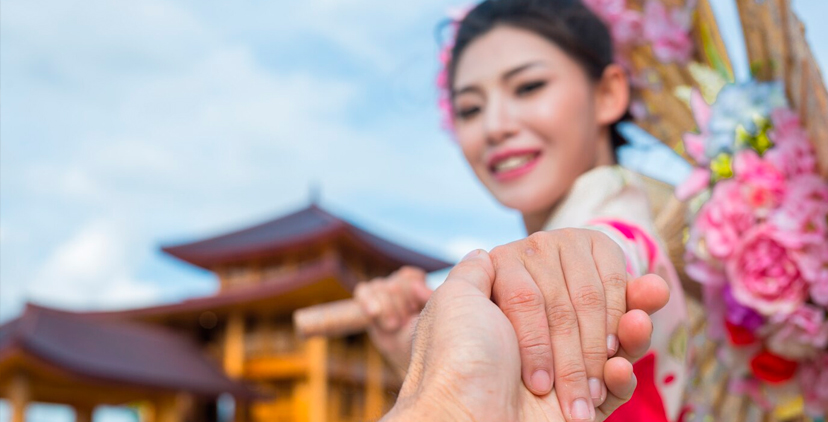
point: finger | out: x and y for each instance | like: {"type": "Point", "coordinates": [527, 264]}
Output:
{"type": "Point", "coordinates": [398, 303]}
{"type": "Point", "coordinates": [586, 294]}
{"type": "Point", "coordinates": [648, 293]}
{"type": "Point", "coordinates": [364, 295]}
{"type": "Point", "coordinates": [543, 260]}
{"type": "Point", "coordinates": [421, 292]}
{"type": "Point", "coordinates": [612, 268]}
{"type": "Point", "coordinates": [520, 299]}
{"type": "Point", "coordinates": [387, 318]}
{"type": "Point", "coordinates": [621, 383]}
{"type": "Point", "coordinates": [635, 331]}
{"type": "Point", "coordinates": [476, 269]}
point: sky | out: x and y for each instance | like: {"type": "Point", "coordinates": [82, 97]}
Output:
{"type": "Point", "coordinates": [130, 125]}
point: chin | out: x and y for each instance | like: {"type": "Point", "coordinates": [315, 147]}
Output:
{"type": "Point", "coordinates": [525, 203]}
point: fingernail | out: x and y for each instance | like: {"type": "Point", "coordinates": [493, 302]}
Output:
{"type": "Point", "coordinates": [470, 254]}
{"type": "Point", "coordinates": [581, 411]}
{"type": "Point", "coordinates": [595, 389]}
{"type": "Point", "coordinates": [541, 381]}
{"type": "Point", "coordinates": [612, 345]}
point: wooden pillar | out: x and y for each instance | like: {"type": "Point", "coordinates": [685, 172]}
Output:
{"type": "Point", "coordinates": [374, 397]}
{"type": "Point", "coordinates": [234, 345]}
{"type": "Point", "coordinates": [317, 354]}
{"type": "Point", "coordinates": [83, 413]}
{"type": "Point", "coordinates": [241, 411]}
{"type": "Point", "coordinates": [173, 407]}
{"type": "Point", "coordinates": [19, 396]}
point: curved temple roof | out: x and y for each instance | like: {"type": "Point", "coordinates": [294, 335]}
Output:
{"type": "Point", "coordinates": [118, 352]}
{"type": "Point", "coordinates": [304, 227]}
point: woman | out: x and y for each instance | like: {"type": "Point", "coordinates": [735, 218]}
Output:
{"type": "Point", "coordinates": [536, 97]}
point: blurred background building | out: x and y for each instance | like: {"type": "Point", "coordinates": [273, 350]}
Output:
{"type": "Point", "coordinates": [173, 361]}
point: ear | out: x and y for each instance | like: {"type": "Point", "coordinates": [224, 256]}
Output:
{"type": "Point", "coordinates": [612, 95]}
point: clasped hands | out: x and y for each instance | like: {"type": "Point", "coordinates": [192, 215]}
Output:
{"type": "Point", "coordinates": [556, 309]}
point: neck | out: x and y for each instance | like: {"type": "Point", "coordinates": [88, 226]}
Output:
{"type": "Point", "coordinates": [535, 221]}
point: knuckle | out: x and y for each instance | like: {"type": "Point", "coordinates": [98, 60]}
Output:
{"type": "Point", "coordinates": [595, 354]}
{"type": "Point", "coordinates": [535, 343]}
{"type": "Point", "coordinates": [571, 372]}
{"type": "Point", "coordinates": [561, 318]}
{"type": "Point", "coordinates": [589, 299]}
{"type": "Point", "coordinates": [522, 300]}
{"type": "Point", "coordinates": [615, 280]}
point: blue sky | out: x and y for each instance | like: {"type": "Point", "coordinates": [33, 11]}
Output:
{"type": "Point", "coordinates": [129, 125]}
{"type": "Point", "coordinates": [126, 125]}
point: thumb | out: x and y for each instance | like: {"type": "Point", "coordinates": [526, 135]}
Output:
{"type": "Point", "coordinates": [475, 269]}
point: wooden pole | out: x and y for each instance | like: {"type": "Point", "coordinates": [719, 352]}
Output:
{"type": "Point", "coordinates": [317, 349]}
{"type": "Point", "coordinates": [83, 413]}
{"type": "Point", "coordinates": [234, 345]}
{"type": "Point", "coordinates": [19, 396]}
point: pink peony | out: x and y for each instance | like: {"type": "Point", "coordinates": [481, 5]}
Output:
{"type": "Point", "coordinates": [764, 275]}
{"type": "Point", "coordinates": [786, 127]}
{"type": "Point", "coordinates": [813, 377]}
{"type": "Point", "coordinates": [724, 219]}
{"type": "Point", "coordinates": [762, 184]}
{"type": "Point", "coordinates": [667, 32]}
{"type": "Point", "coordinates": [799, 335]}
{"type": "Point", "coordinates": [802, 217]}
{"type": "Point", "coordinates": [813, 263]}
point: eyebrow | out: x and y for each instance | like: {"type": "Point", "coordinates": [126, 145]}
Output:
{"type": "Point", "coordinates": [506, 76]}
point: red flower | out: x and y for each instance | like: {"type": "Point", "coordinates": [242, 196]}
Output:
{"type": "Point", "coordinates": [739, 336]}
{"type": "Point", "coordinates": [772, 368]}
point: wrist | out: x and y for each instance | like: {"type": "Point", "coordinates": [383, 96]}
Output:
{"type": "Point", "coordinates": [423, 408]}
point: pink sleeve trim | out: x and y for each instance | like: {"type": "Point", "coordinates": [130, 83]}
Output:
{"type": "Point", "coordinates": [633, 232]}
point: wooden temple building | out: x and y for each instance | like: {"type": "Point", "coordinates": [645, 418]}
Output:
{"type": "Point", "coordinates": [177, 358]}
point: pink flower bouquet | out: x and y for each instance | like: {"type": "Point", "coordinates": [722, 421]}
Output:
{"type": "Point", "coordinates": [759, 239]}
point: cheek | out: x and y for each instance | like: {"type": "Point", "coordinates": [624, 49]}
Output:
{"type": "Point", "coordinates": [564, 118]}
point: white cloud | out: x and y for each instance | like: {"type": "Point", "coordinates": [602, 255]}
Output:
{"type": "Point", "coordinates": [93, 269]}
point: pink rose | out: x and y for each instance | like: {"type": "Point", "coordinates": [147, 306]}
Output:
{"type": "Point", "coordinates": [764, 275]}
{"type": "Point", "coordinates": [793, 158]}
{"type": "Point", "coordinates": [802, 219]}
{"type": "Point", "coordinates": [786, 127]}
{"type": "Point", "coordinates": [668, 33]}
{"type": "Point", "coordinates": [724, 219]}
{"type": "Point", "coordinates": [813, 263]}
{"type": "Point", "coordinates": [799, 335]}
{"type": "Point", "coordinates": [763, 185]}
{"type": "Point", "coordinates": [813, 377]}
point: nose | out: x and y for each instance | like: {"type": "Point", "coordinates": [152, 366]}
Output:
{"type": "Point", "coordinates": [499, 121]}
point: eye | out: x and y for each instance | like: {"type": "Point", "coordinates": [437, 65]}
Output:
{"type": "Point", "coordinates": [528, 88]}
{"type": "Point", "coordinates": [466, 113]}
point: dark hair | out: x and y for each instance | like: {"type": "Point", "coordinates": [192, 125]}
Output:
{"type": "Point", "coordinates": [569, 24]}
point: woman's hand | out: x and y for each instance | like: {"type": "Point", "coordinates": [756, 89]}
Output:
{"type": "Point", "coordinates": [565, 292]}
{"type": "Point", "coordinates": [466, 363]}
{"type": "Point", "coordinates": [393, 303]}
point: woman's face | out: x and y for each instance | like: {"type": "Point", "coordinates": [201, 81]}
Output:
{"type": "Point", "coordinates": [528, 118]}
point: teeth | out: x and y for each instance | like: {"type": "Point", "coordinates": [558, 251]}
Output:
{"type": "Point", "coordinates": [512, 163]}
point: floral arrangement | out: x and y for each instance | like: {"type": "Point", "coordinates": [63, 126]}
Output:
{"type": "Point", "coordinates": [758, 242]}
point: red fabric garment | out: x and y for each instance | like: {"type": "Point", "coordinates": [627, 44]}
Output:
{"type": "Point", "coordinates": [646, 404]}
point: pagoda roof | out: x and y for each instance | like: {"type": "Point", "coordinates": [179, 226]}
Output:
{"type": "Point", "coordinates": [302, 228]}
{"type": "Point", "coordinates": [120, 353]}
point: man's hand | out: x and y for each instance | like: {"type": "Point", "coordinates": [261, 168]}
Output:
{"type": "Point", "coordinates": [466, 361]}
